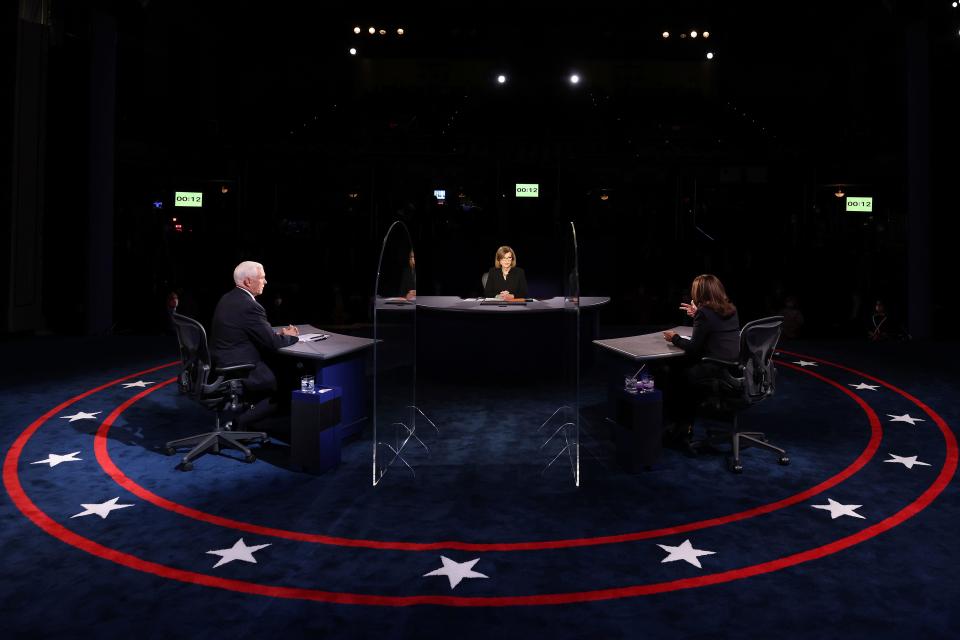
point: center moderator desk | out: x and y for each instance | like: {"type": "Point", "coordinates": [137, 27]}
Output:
{"type": "Point", "coordinates": [460, 337]}
{"type": "Point", "coordinates": [337, 362]}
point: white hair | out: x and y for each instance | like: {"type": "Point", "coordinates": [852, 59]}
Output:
{"type": "Point", "coordinates": [246, 269]}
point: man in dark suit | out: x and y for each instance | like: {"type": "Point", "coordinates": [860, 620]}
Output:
{"type": "Point", "coordinates": [241, 333]}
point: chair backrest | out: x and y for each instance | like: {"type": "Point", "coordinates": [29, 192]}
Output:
{"type": "Point", "coordinates": [194, 355]}
{"type": "Point", "coordinates": [758, 342]}
{"type": "Point", "coordinates": [483, 279]}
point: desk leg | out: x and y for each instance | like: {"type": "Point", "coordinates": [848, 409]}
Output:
{"type": "Point", "coordinates": [347, 374]}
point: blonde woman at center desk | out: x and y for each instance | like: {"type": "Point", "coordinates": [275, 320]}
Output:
{"type": "Point", "coordinates": [505, 279]}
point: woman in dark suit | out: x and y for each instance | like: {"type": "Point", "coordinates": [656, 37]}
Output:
{"type": "Point", "coordinates": [716, 334]}
{"type": "Point", "coordinates": [505, 280]}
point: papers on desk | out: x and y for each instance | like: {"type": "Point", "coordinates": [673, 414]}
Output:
{"type": "Point", "coordinates": [396, 300]}
{"type": "Point", "coordinates": [313, 337]}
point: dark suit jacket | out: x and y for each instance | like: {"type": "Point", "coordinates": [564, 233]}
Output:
{"type": "Point", "coordinates": [515, 283]}
{"type": "Point", "coordinates": [713, 336]}
{"type": "Point", "coordinates": [241, 332]}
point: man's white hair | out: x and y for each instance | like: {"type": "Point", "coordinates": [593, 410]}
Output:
{"type": "Point", "coordinates": [246, 269]}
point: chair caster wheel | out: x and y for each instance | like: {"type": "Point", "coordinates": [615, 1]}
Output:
{"type": "Point", "coordinates": [249, 458]}
{"type": "Point", "coordinates": [735, 466]}
{"type": "Point", "coordinates": [169, 451]}
{"type": "Point", "coordinates": [185, 466]}
{"type": "Point", "coordinates": [784, 460]}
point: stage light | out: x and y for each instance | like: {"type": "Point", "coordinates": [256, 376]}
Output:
{"type": "Point", "coordinates": [683, 35]}
{"type": "Point", "coordinates": [574, 78]}
{"type": "Point", "coordinates": [371, 30]}
{"type": "Point", "coordinates": [501, 79]}
{"type": "Point", "coordinates": [224, 189]}
{"type": "Point", "coordinates": [839, 193]}
{"type": "Point", "coordinates": [357, 29]}
{"type": "Point", "coordinates": [400, 31]}
{"type": "Point", "coordinates": [693, 34]}
{"type": "Point", "coordinates": [954, 5]}
{"type": "Point", "coordinates": [709, 55]}
{"type": "Point", "coordinates": [706, 34]}
{"type": "Point", "coordinates": [383, 32]}
{"type": "Point", "coordinates": [353, 51]}
{"type": "Point", "coordinates": [666, 34]}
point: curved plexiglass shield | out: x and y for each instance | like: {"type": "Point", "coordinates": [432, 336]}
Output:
{"type": "Point", "coordinates": [398, 437]}
{"type": "Point", "coordinates": [560, 433]}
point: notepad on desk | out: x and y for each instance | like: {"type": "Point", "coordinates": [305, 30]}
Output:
{"type": "Point", "coordinates": [313, 337]}
{"type": "Point", "coordinates": [500, 301]}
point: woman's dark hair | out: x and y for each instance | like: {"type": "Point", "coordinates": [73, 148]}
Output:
{"type": "Point", "coordinates": [707, 291]}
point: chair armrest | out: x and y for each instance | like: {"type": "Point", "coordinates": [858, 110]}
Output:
{"type": "Point", "coordinates": [236, 368]}
{"type": "Point", "coordinates": [727, 363]}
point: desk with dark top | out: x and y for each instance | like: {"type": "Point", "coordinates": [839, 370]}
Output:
{"type": "Point", "coordinates": [638, 417]}
{"type": "Point", "coordinates": [338, 362]}
{"type": "Point", "coordinates": [465, 339]}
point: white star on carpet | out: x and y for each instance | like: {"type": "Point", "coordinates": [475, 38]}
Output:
{"type": "Point", "coordinates": [805, 363]}
{"type": "Point", "coordinates": [80, 415]}
{"type": "Point", "coordinates": [864, 386]}
{"type": "Point", "coordinates": [103, 509]}
{"type": "Point", "coordinates": [836, 509]}
{"type": "Point", "coordinates": [456, 571]}
{"type": "Point", "coordinates": [905, 418]}
{"type": "Point", "coordinates": [684, 552]}
{"type": "Point", "coordinates": [139, 383]}
{"type": "Point", "coordinates": [54, 459]}
{"type": "Point", "coordinates": [909, 461]}
{"type": "Point", "coordinates": [239, 551]}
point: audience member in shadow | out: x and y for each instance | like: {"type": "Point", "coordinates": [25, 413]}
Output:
{"type": "Point", "coordinates": [792, 317]}
{"type": "Point", "coordinates": [882, 327]}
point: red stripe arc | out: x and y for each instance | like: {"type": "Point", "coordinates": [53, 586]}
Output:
{"type": "Point", "coordinates": [43, 521]}
{"type": "Point", "coordinates": [103, 457]}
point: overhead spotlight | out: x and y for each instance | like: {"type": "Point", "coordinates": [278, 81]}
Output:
{"type": "Point", "coordinates": [574, 78]}
{"type": "Point", "coordinates": [224, 189]}
{"type": "Point", "coordinates": [954, 5]}
{"type": "Point", "coordinates": [357, 29]}
{"type": "Point", "coordinates": [383, 32]}
{"type": "Point", "coordinates": [705, 34]}
{"type": "Point", "coordinates": [683, 35]}
{"type": "Point", "coordinates": [501, 79]}
{"type": "Point", "coordinates": [693, 34]}
{"type": "Point", "coordinates": [839, 192]}
{"type": "Point", "coordinates": [372, 30]}
{"type": "Point", "coordinates": [353, 51]}
{"type": "Point", "coordinates": [709, 55]}
{"type": "Point", "coordinates": [400, 31]}
{"type": "Point", "coordinates": [665, 34]}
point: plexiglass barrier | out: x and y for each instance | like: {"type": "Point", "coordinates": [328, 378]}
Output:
{"type": "Point", "coordinates": [560, 432]}
{"type": "Point", "coordinates": [401, 432]}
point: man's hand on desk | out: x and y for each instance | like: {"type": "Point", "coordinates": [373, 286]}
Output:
{"type": "Point", "coordinates": [505, 295]}
{"type": "Point", "coordinates": [668, 335]}
{"type": "Point", "coordinates": [290, 331]}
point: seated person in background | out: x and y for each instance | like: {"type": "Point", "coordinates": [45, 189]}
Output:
{"type": "Point", "coordinates": [408, 282]}
{"type": "Point", "coordinates": [716, 334]}
{"type": "Point", "coordinates": [505, 280]}
{"type": "Point", "coordinates": [241, 333]}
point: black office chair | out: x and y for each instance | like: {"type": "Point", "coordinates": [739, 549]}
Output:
{"type": "Point", "coordinates": [741, 384]}
{"type": "Point", "coordinates": [223, 395]}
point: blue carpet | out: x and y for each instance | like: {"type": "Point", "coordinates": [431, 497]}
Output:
{"type": "Point", "coordinates": [483, 492]}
